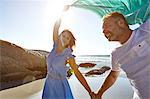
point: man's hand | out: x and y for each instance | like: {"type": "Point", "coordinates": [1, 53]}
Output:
{"type": "Point", "coordinates": [92, 95]}
{"type": "Point", "coordinates": [98, 96]}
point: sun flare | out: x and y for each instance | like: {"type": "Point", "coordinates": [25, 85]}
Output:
{"type": "Point", "coordinates": [55, 8]}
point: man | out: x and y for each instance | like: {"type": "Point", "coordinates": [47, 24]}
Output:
{"type": "Point", "coordinates": [133, 56]}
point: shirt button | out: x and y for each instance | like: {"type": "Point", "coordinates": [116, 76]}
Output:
{"type": "Point", "coordinates": [139, 45]}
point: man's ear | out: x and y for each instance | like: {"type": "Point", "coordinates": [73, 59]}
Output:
{"type": "Point", "coordinates": [121, 23]}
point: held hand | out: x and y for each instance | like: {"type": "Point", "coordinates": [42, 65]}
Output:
{"type": "Point", "coordinates": [98, 96]}
{"type": "Point", "coordinates": [92, 95]}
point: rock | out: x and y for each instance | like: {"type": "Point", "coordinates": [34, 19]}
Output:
{"type": "Point", "coordinates": [87, 65]}
{"type": "Point", "coordinates": [39, 53]}
{"type": "Point", "coordinates": [19, 66]}
{"type": "Point", "coordinates": [98, 71]}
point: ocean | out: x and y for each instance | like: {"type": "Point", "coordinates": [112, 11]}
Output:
{"type": "Point", "coordinates": [99, 60]}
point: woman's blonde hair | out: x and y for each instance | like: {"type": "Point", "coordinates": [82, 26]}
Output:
{"type": "Point", "coordinates": [72, 40]}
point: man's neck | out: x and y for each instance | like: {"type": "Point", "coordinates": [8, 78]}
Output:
{"type": "Point", "coordinates": [125, 37]}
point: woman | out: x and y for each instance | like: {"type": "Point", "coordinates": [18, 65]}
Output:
{"type": "Point", "coordinates": [56, 84]}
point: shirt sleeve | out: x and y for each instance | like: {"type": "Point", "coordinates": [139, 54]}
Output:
{"type": "Point", "coordinates": [115, 65]}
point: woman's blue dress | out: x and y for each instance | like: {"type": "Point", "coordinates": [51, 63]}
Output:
{"type": "Point", "coordinates": [56, 84]}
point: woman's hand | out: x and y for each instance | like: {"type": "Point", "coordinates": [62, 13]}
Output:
{"type": "Point", "coordinates": [98, 96]}
{"type": "Point", "coordinates": [66, 7]}
{"type": "Point", "coordinates": [92, 95]}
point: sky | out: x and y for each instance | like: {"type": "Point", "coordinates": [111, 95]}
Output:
{"type": "Point", "coordinates": [29, 24]}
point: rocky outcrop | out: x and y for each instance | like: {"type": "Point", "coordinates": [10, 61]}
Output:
{"type": "Point", "coordinates": [87, 65]}
{"type": "Point", "coordinates": [98, 71]}
{"type": "Point", "coordinates": [19, 66]}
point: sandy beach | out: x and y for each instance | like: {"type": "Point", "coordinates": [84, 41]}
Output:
{"type": "Point", "coordinates": [33, 90]}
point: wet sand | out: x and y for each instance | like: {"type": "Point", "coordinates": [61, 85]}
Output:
{"type": "Point", "coordinates": [120, 90]}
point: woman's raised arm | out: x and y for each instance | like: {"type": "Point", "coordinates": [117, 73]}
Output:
{"type": "Point", "coordinates": [57, 26]}
{"type": "Point", "coordinates": [56, 31]}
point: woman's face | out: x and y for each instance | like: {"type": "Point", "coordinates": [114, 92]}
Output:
{"type": "Point", "coordinates": [65, 38]}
